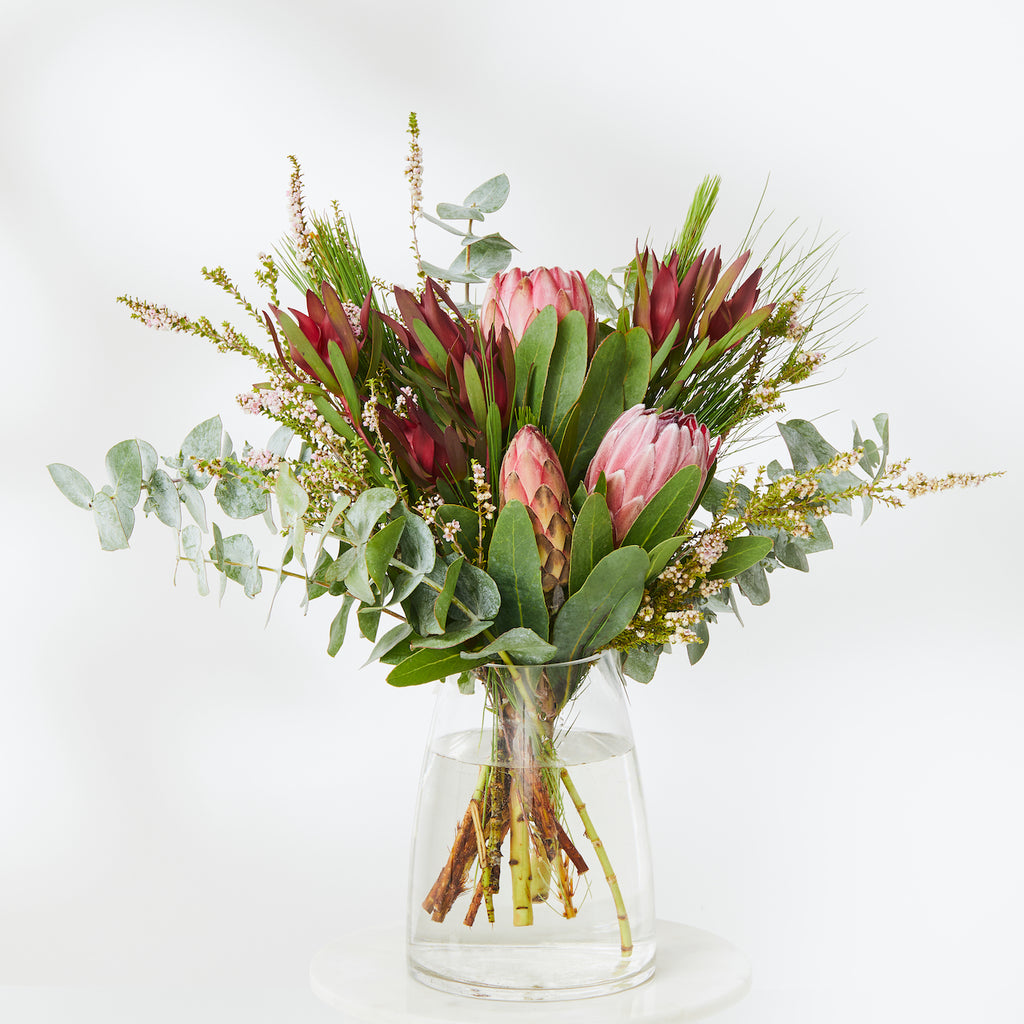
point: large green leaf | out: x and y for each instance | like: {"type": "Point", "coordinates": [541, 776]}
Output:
{"type": "Point", "coordinates": [164, 500]}
{"type": "Point", "coordinates": [566, 371]}
{"type": "Point", "coordinates": [533, 353]}
{"type": "Point", "coordinates": [513, 562]}
{"type": "Point", "coordinates": [661, 518]}
{"type": "Point", "coordinates": [338, 626]}
{"type": "Point", "coordinates": [740, 554]}
{"type": "Point", "coordinates": [237, 559]}
{"type": "Point", "coordinates": [603, 607]}
{"type": "Point", "coordinates": [444, 600]}
{"type": "Point", "coordinates": [638, 367]}
{"type": "Point", "coordinates": [602, 401]}
{"type": "Point", "coordinates": [114, 524]}
{"type": "Point", "coordinates": [426, 665]}
{"type": "Point", "coordinates": [490, 196]}
{"type": "Point", "coordinates": [239, 497]}
{"type": "Point", "coordinates": [368, 510]}
{"type": "Point", "coordinates": [454, 636]}
{"type": "Point", "coordinates": [592, 539]}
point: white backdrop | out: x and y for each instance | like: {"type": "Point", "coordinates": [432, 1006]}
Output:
{"type": "Point", "coordinates": [193, 803]}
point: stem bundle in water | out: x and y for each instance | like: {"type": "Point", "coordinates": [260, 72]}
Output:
{"type": "Point", "coordinates": [519, 796]}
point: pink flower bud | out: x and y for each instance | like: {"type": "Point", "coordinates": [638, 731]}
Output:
{"type": "Point", "coordinates": [641, 452]}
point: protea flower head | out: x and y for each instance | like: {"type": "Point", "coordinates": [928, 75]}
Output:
{"type": "Point", "coordinates": [532, 474]}
{"type": "Point", "coordinates": [641, 452]}
{"type": "Point", "coordinates": [327, 319]}
{"type": "Point", "coordinates": [423, 450]}
{"type": "Point", "coordinates": [492, 355]}
{"type": "Point", "coordinates": [514, 298]}
{"type": "Point", "coordinates": [697, 302]}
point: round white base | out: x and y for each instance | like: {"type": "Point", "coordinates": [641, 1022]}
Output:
{"type": "Point", "coordinates": [697, 975]}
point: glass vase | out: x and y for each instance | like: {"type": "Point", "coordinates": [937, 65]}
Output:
{"type": "Point", "coordinates": [530, 873]}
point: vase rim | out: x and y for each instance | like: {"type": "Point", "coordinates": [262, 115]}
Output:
{"type": "Point", "coordinates": [589, 660]}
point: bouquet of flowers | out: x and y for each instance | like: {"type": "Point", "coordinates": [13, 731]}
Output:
{"type": "Point", "coordinates": [525, 482]}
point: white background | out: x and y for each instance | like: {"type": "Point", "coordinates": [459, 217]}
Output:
{"type": "Point", "coordinates": [191, 803]}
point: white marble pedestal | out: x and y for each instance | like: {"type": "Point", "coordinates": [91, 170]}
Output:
{"type": "Point", "coordinates": [697, 975]}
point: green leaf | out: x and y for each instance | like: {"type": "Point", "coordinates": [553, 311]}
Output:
{"type": "Point", "coordinates": [367, 510]}
{"type": "Point", "coordinates": [513, 563]}
{"type": "Point", "coordinates": [201, 443]}
{"type": "Point", "coordinates": [642, 662]}
{"type": "Point", "coordinates": [417, 547]}
{"type": "Point", "coordinates": [740, 554]}
{"type": "Point", "coordinates": [191, 544]}
{"type": "Point", "coordinates": [466, 519]}
{"type": "Point", "coordinates": [239, 497]}
{"type": "Point", "coordinates": [522, 645]}
{"type": "Point", "coordinates": [696, 651]}
{"type": "Point", "coordinates": [601, 400]}
{"type": "Point", "coordinates": [488, 256]}
{"type": "Point", "coordinates": [661, 554]}
{"type": "Point", "coordinates": [455, 636]}
{"type": "Point", "coordinates": [474, 391]}
{"type": "Point", "coordinates": [380, 548]}
{"type": "Point", "coordinates": [453, 211]}
{"type": "Point", "coordinates": [661, 518]}
{"type": "Point", "coordinates": [149, 457]}
{"type": "Point", "coordinates": [446, 273]}
{"type": "Point", "coordinates": [477, 592]}
{"type": "Point", "coordinates": [427, 665]}
{"type": "Point", "coordinates": [194, 503]}
{"type": "Point", "coordinates": [533, 353]}
{"type": "Point", "coordinates": [444, 599]}
{"type": "Point", "coordinates": [75, 487]}
{"type": "Point", "coordinates": [490, 196]}
{"type": "Point", "coordinates": [389, 640]}
{"type": "Point", "coordinates": [369, 621]}
{"type": "Point", "coordinates": [753, 585]}
{"type": "Point", "coordinates": [638, 367]}
{"type": "Point", "coordinates": [566, 371]}
{"type": "Point", "coordinates": [114, 523]}
{"type": "Point", "coordinates": [124, 468]}
{"type": "Point", "coordinates": [603, 607]}
{"type": "Point", "coordinates": [240, 563]}
{"type": "Point", "coordinates": [164, 500]}
{"type": "Point", "coordinates": [597, 285]}
{"type": "Point", "coordinates": [592, 539]}
{"type": "Point", "coordinates": [292, 499]}
{"type": "Point", "coordinates": [339, 625]}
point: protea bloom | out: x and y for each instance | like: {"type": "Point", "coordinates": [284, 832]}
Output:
{"type": "Point", "coordinates": [327, 319]}
{"type": "Point", "coordinates": [422, 448]}
{"type": "Point", "coordinates": [492, 355]}
{"type": "Point", "coordinates": [532, 474]}
{"type": "Point", "coordinates": [642, 450]}
{"type": "Point", "coordinates": [514, 298]}
{"type": "Point", "coordinates": [698, 302]}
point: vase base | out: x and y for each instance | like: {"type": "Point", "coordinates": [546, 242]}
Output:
{"type": "Point", "coordinates": [365, 975]}
{"type": "Point", "coordinates": [531, 974]}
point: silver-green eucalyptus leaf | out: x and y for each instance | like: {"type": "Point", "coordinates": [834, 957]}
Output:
{"type": "Point", "coordinates": [73, 485]}
{"type": "Point", "coordinates": [114, 523]}
{"type": "Point", "coordinates": [124, 468]}
{"type": "Point", "coordinates": [191, 546]}
{"type": "Point", "coordinates": [163, 500]}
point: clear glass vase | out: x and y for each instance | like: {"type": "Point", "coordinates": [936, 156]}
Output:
{"type": "Point", "coordinates": [530, 873]}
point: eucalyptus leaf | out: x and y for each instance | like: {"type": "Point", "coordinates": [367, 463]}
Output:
{"type": "Point", "coordinates": [522, 645]}
{"type": "Point", "coordinates": [279, 441]}
{"type": "Point", "coordinates": [124, 468]}
{"type": "Point", "coordinates": [455, 211]}
{"type": "Point", "coordinates": [597, 285]}
{"type": "Point", "coordinates": [240, 563]}
{"type": "Point", "coordinates": [640, 663]}
{"type": "Point", "coordinates": [444, 599]}
{"type": "Point", "coordinates": [292, 500]}
{"type": "Point", "coordinates": [338, 626]}
{"type": "Point", "coordinates": [191, 545]}
{"type": "Point", "coordinates": [164, 500]}
{"type": "Point", "coordinates": [114, 523]}
{"type": "Point", "coordinates": [149, 458]}
{"type": "Point", "coordinates": [753, 585]}
{"type": "Point", "coordinates": [369, 621]}
{"type": "Point", "coordinates": [696, 651]}
{"type": "Point", "coordinates": [388, 641]}
{"type": "Point", "coordinates": [194, 503]}
{"type": "Point", "coordinates": [240, 497]}
{"type": "Point", "coordinates": [73, 485]}
{"type": "Point", "coordinates": [490, 196]}
{"type": "Point", "coordinates": [380, 548]}
{"type": "Point", "coordinates": [366, 511]}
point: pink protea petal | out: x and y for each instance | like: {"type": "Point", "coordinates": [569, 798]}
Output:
{"type": "Point", "coordinates": [545, 288]}
{"type": "Point", "coordinates": [624, 517]}
{"type": "Point", "coordinates": [640, 482]}
{"type": "Point", "coordinates": [615, 486]}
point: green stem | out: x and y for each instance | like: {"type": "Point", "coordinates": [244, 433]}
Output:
{"type": "Point", "coordinates": [519, 858]}
{"type": "Point", "coordinates": [602, 855]}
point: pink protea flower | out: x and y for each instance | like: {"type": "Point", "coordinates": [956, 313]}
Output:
{"type": "Point", "coordinates": [532, 474]}
{"type": "Point", "coordinates": [514, 298]}
{"type": "Point", "coordinates": [642, 450]}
